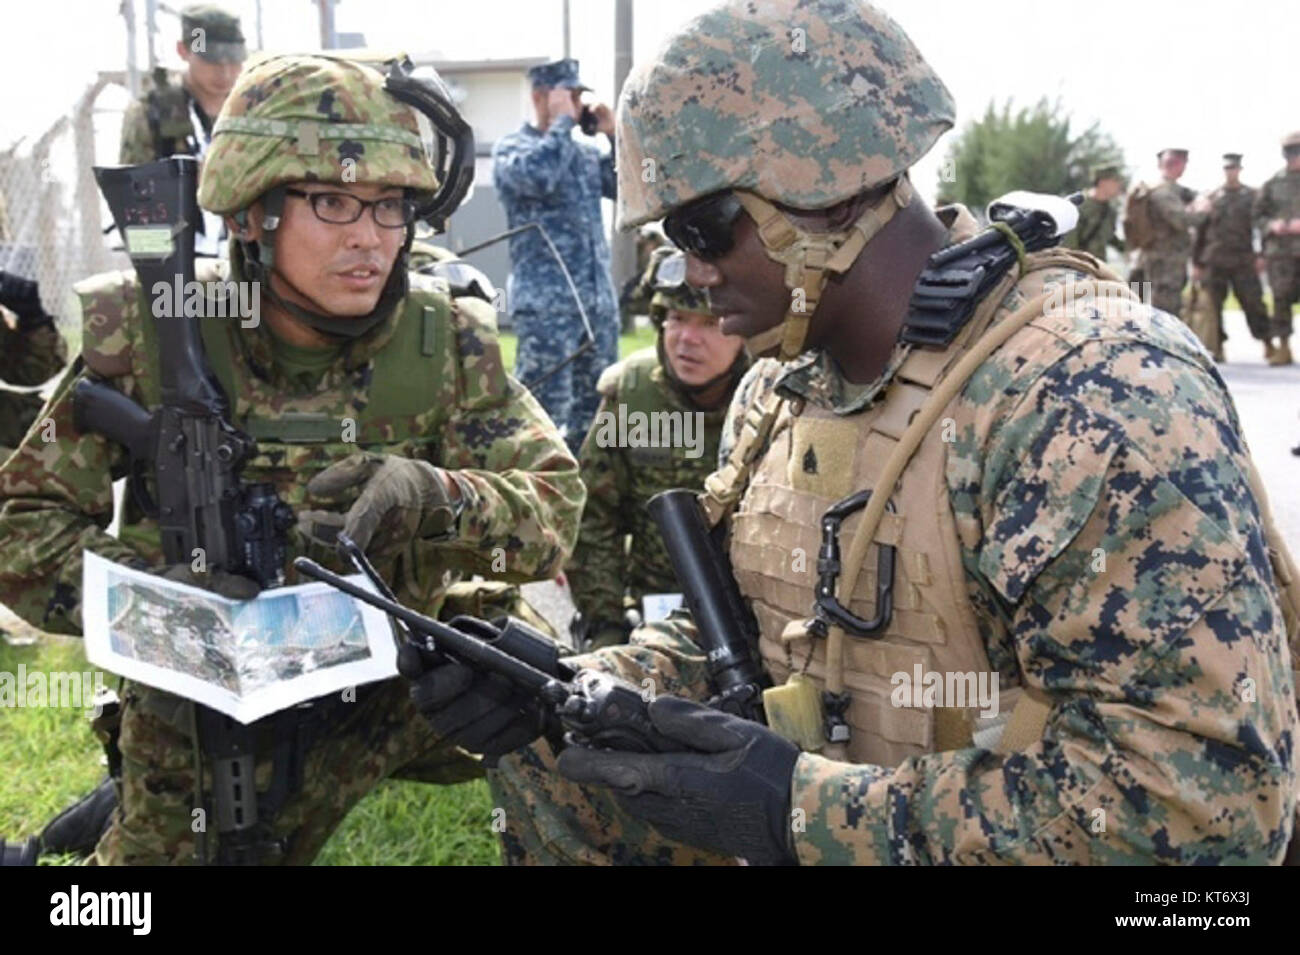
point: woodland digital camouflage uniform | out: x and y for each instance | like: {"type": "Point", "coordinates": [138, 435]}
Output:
{"type": "Point", "coordinates": [451, 403]}
{"type": "Point", "coordinates": [605, 572]}
{"type": "Point", "coordinates": [1099, 429]}
{"type": "Point", "coordinates": [1225, 248]}
{"type": "Point", "coordinates": [552, 179]}
{"type": "Point", "coordinates": [1279, 198]}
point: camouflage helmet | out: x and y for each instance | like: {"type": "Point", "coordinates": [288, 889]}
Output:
{"type": "Point", "coordinates": [803, 102]}
{"type": "Point", "coordinates": [312, 117]}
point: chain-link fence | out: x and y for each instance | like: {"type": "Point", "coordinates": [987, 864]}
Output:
{"type": "Point", "coordinates": [55, 222]}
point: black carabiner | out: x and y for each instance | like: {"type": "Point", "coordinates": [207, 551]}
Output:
{"type": "Point", "coordinates": [827, 609]}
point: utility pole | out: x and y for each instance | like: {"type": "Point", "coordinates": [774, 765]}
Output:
{"type": "Point", "coordinates": [566, 28]}
{"type": "Point", "coordinates": [260, 44]}
{"type": "Point", "coordinates": [622, 245]}
{"type": "Point", "coordinates": [151, 31]}
{"type": "Point", "coordinates": [132, 68]}
{"type": "Point", "coordinates": [328, 38]}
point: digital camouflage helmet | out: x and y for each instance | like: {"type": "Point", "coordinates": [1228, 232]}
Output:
{"type": "Point", "coordinates": [806, 103]}
{"type": "Point", "coordinates": [328, 119]}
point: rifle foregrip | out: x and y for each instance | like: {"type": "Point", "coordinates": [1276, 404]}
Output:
{"type": "Point", "coordinates": [725, 623]}
{"type": "Point", "coordinates": [99, 408]}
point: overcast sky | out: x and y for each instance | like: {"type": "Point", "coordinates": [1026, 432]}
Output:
{"type": "Point", "coordinates": [1211, 76]}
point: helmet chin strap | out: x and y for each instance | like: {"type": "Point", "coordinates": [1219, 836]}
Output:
{"type": "Point", "coordinates": [810, 258]}
{"type": "Point", "coordinates": [259, 263]}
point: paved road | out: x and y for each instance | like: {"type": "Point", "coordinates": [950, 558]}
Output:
{"type": "Point", "coordinates": [1268, 401]}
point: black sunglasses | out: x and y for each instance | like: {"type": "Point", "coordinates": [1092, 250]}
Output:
{"type": "Point", "coordinates": [705, 228]}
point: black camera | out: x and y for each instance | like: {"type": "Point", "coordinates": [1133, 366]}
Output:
{"type": "Point", "coordinates": [587, 121]}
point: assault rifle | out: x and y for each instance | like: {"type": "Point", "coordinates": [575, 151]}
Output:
{"type": "Point", "coordinates": [187, 448]}
{"type": "Point", "coordinates": [186, 459]}
{"type": "Point", "coordinates": [584, 707]}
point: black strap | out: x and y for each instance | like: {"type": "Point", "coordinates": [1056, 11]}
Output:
{"type": "Point", "coordinates": [958, 277]}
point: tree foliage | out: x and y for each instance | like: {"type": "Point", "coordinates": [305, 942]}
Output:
{"type": "Point", "coordinates": [1032, 147]}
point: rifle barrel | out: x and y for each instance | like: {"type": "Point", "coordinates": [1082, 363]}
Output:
{"type": "Point", "coordinates": [449, 640]}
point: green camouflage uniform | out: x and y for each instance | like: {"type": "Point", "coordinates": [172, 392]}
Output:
{"type": "Point", "coordinates": [1279, 198]}
{"type": "Point", "coordinates": [1101, 426]}
{"type": "Point", "coordinates": [1095, 229]}
{"type": "Point", "coordinates": [158, 123]}
{"type": "Point", "coordinates": [1163, 261]}
{"type": "Point", "coordinates": [427, 382]}
{"type": "Point", "coordinates": [1225, 248]}
{"type": "Point", "coordinates": [620, 556]}
{"type": "Point", "coordinates": [607, 570]}
{"type": "Point", "coordinates": [27, 358]}
{"type": "Point", "coordinates": [165, 105]}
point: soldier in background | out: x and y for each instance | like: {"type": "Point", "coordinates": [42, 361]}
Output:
{"type": "Point", "coordinates": [544, 175]}
{"type": "Point", "coordinates": [31, 353]}
{"type": "Point", "coordinates": [175, 116]}
{"type": "Point", "coordinates": [692, 370]}
{"type": "Point", "coordinates": [1277, 216]}
{"type": "Point", "coordinates": [1157, 223]}
{"type": "Point", "coordinates": [1098, 215]}
{"type": "Point", "coordinates": [1223, 255]}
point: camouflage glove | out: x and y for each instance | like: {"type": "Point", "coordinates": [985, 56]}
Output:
{"type": "Point", "coordinates": [481, 713]}
{"type": "Point", "coordinates": [401, 499]}
{"type": "Point", "coordinates": [728, 790]}
{"type": "Point", "coordinates": [230, 586]}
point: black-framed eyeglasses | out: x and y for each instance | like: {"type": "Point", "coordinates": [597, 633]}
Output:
{"type": "Point", "coordinates": [342, 208]}
{"type": "Point", "coordinates": [705, 228]}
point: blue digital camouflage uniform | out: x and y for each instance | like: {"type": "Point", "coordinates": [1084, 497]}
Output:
{"type": "Point", "coordinates": [554, 180]}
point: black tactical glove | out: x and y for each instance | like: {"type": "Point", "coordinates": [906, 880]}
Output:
{"type": "Point", "coordinates": [728, 790]}
{"type": "Point", "coordinates": [481, 713]}
{"type": "Point", "coordinates": [230, 586]}
{"type": "Point", "coordinates": [401, 499]}
{"type": "Point", "coordinates": [591, 634]}
{"type": "Point", "coordinates": [22, 297]}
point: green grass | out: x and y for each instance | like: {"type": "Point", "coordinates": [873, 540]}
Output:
{"type": "Point", "coordinates": [48, 758]}
{"type": "Point", "coordinates": [641, 338]}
